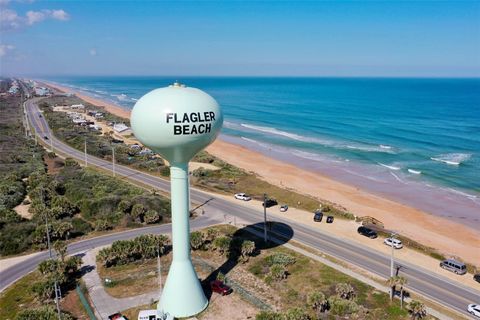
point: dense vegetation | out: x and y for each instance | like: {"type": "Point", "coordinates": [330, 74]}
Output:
{"type": "Point", "coordinates": [140, 248]}
{"type": "Point", "coordinates": [74, 200]}
{"type": "Point", "coordinates": [19, 158]}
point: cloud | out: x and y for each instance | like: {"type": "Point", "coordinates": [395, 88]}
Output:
{"type": "Point", "coordinates": [10, 20]}
{"type": "Point", "coordinates": [38, 16]}
{"type": "Point", "coordinates": [5, 48]}
{"type": "Point", "coordinates": [93, 52]}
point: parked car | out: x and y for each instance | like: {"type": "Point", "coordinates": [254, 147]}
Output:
{"type": "Point", "coordinates": [45, 137]}
{"type": "Point", "coordinates": [242, 196]}
{"type": "Point", "coordinates": [220, 287]}
{"type": "Point", "coordinates": [317, 216]}
{"type": "Point", "coordinates": [392, 242]}
{"type": "Point", "coordinates": [117, 316]}
{"type": "Point", "coordinates": [39, 115]}
{"type": "Point", "coordinates": [476, 277]}
{"type": "Point", "coordinates": [454, 266]}
{"type": "Point", "coordinates": [270, 203]}
{"type": "Point", "coordinates": [474, 309]}
{"type": "Point", "coordinates": [283, 208]}
{"type": "Point", "coordinates": [367, 232]}
{"type": "Point", "coordinates": [329, 219]}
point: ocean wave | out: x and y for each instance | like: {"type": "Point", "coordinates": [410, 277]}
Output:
{"type": "Point", "coordinates": [389, 166]}
{"type": "Point", "coordinates": [384, 146]}
{"type": "Point", "coordinates": [414, 171]}
{"type": "Point", "coordinates": [454, 159]}
{"type": "Point", "coordinates": [464, 194]}
{"type": "Point", "coordinates": [264, 145]}
{"type": "Point", "coordinates": [324, 142]}
{"type": "Point", "coordinates": [397, 178]}
{"type": "Point", "coordinates": [313, 156]}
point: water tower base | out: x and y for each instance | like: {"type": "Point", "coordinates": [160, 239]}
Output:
{"type": "Point", "coordinates": [182, 294]}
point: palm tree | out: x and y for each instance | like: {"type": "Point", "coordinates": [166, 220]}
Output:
{"type": "Point", "coordinates": [61, 249]}
{"type": "Point", "coordinates": [401, 281]}
{"type": "Point", "coordinates": [392, 283]}
{"type": "Point", "coordinates": [318, 302]}
{"type": "Point", "coordinates": [247, 249]}
{"type": "Point", "coordinates": [345, 291]}
{"type": "Point", "coordinates": [417, 310]}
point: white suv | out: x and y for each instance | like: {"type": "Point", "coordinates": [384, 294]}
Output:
{"type": "Point", "coordinates": [392, 242]}
{"type": "Point", "coordinates": [242, 196]}
{"type": "Point", "coordinates": [474, 309]}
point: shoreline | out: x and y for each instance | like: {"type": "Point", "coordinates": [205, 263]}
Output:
{"type": "Point", "coordinates": [417, 224]}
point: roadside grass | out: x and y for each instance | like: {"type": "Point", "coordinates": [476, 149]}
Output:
{"type": "Point", "coordinates": [134, 278]}
{"type": "Point", "coordinates": [305, 276]}
{"type": "Point", "coordinates": [72, 304]}
{"type": "Point", "coordinates": [18, 297]}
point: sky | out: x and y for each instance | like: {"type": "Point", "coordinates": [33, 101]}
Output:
{"type": "Point", "coordinates": [234, 38]}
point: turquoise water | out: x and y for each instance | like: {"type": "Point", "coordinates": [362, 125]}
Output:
{"type": "Point", "coordinates": [424, 133]}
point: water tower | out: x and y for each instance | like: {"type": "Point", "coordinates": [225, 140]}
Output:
{"type": "Point", "coordinates": [177, 122]}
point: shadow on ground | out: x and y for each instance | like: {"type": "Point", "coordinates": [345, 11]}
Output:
{"type": "Point", "coordinates": [254, 232]}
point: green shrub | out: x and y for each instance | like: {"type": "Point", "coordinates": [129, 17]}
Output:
{"type": "Point", "coordinates": [278, 272]}
{"type": "Point", "coordinates": [42, 313]}
{"type": "Point", "coordinates": [280, 258]}
{"type": "Point", "coordinates": [80, 227]}
{"type": "Point", "coordinates": [152, 216]}
{"type": "Point", "coordinates": [222, 244]}
{"type": "Point", "coordinates": [138, 211]}
{"type": "Point", "coordinates": [196, 240]}
{"type": "Point", "coordinates": [296, 314]}
{"type": "Point", "coordinates": [124, 206]}
{"type": "Point", "coordinates": [342, 307]}
{"type": "Point", "coordinates": [102, 225]}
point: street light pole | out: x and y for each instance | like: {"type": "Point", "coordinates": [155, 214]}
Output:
{"type": "Point", "coordinates": [265, 217]}
{"type": "Point", "coordinates": [85, 149]}
{"type": "Point", "coordinates": [113, 161]}
{"type": "Point", "coordinates": [392, 236]}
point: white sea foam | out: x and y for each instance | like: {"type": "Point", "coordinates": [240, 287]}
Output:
{"type": "Point", "coordinates": [384, 146]}
{"type": "Point", "coordinates": [389, 166]}
{"type": "Point", "coordinates": [324, 142]}
{"type": "Point", "coordinates": [397, 178]}
{"type": "Point", "coordinates": [454, 159]}
{"type": "Point", "coordinates": [414, 171]}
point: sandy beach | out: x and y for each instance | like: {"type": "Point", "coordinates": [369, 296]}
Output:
{"type": "Point", "coordinates": [451, 238]}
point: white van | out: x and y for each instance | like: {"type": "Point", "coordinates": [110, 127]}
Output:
{"type": "Point", "coordinates": [147, 315]}
{"type": "Point", "coordinates": [153, 315]}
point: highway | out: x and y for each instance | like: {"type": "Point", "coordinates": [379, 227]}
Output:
{"type": "Point", "coordinates": [437, 288]}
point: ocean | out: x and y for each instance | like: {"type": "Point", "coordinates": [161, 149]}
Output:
{"type": "Point", "coordinates": [416, 141]}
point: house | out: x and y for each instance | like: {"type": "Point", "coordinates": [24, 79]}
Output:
{"type": "Point", "coordinates": [77, 106]}
{"type": "Point", "coordinates": [120, 127]}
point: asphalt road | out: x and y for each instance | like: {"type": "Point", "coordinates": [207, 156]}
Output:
{"type": "Point", "coordinates": [442, 290]}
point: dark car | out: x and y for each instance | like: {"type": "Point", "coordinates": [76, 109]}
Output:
{"type": "Point", "coordinates": [117, 316]}
{"type": "Point", "coordinates": [317, 217]}
{"type": "Point", "coordinates": [367, 232]}
{"type": "Point", "coordinates": [270, 203]}
{"type": "Point", "coordinates": [329, 219]}
{"type": "Point", "coordinates": [477, 277]}
{"type": "Point", "coordinates": [45, 137]}
{"type": "Point", "coordinates": [39, 115]}
{"type": "Point", "coordinates": [220, 287]}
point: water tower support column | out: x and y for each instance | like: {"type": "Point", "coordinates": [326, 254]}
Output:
{"type": "Point", "coordinates": [182, 295]}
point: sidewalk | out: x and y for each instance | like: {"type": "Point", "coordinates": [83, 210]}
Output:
{"type": "Point", "coordinates": [104, 304]}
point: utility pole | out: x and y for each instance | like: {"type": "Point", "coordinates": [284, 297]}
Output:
{"type": "Point", "coordinates": [265, 217]}
{"type": "Point", "coordinates": [392, 236]}
{"type": "Point", "coordinates": [159, 266]}
{"type": "Point", "coordinates": [113, 161]}
{"type": "Point", "coordinates": [56, 288]}
{"type": "Point", "coordinates": [51, 141]}
{"type": "Point", "coordinates": [85, 149]}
